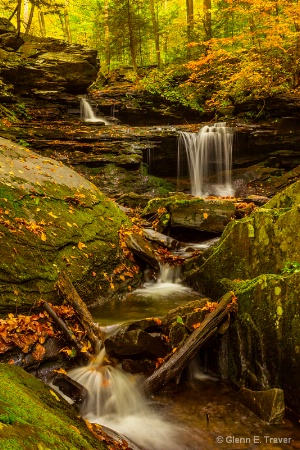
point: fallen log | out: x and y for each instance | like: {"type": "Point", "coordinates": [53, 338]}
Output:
{"type": "Point", "coordinates": [63, 327]}
{"type": "Point", "coordinates": [173, 367]}
{"type": "Point", "coordinates": [161, 239]}
{"type": "Point", "coordinates": [71, 296]}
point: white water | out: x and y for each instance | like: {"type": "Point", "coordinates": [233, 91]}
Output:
{"type": "Point", "coordinates": [209, 154]}
{"type": "Point", "coordinates": [115, 401]}
{"type": "Point", "coordinates": [87, 113]}
{"type": "Point", "coordinates": [167, 283]}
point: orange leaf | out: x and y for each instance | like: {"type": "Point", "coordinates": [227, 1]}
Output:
{"type": "Point", "coordinates": [81, 245]}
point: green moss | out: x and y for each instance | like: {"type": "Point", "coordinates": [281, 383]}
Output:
{"type": "Point", "coordinates": [39, 421]}
{"type": "Point", "coordinates": [48, 226]}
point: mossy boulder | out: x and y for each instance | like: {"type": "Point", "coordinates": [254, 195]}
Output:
{"type": "Point", "coordinates": [264, 349]}
{"type": "Point", "coordinates": [52, 219]}
{"type": "Point", "coordinates": [262, 243]}
{"type": "Point", "coordinates": [33, 416]}
{"type": "Point", "coordinates": [185, 211]}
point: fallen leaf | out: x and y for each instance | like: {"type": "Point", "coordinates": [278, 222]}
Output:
{"type": "Point", "coordinates": [81, 245]}
{"type": "Point", "coordinates": [43, 237]}
{"type": "Point", "coordinates": [54, 395]}
{"type": "Point", "coordinates": [52, 215]}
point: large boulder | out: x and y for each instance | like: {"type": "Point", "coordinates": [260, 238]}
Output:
{"type": "Point", "coordinates": [258, 257]}
{"type": "Point", "coordinates": [52, 219]}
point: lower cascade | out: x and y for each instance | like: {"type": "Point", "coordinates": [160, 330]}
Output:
{"type": "Point", "coordinates": [114, 400]}
{"type": "Point", "coordinates": [209, 157]}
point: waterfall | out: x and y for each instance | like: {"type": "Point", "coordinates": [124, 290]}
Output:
{"type": "Point", "coordinates": [209, 156]}
{"type": "Point", "coordinates": [115, 401]}
{"type": "Point", "coordinates": [169, 274]}
{"type": "Point", "coordinates": [87, 113]}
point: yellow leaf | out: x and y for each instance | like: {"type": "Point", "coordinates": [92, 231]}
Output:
{"type": "Point", "coordinates": [43, 237]}
{"type": "Point", "coordinates": [81, 245]}
{"type": "Point", "coordinates": [122, 277]}
{"type": "Point", "coordinates": [52, 215]}
{"type": "Point", "coordinates": [112, 286]}
{"type": "Point", "coordinates": [69, 225]}
{"type": "Point", "coordinates": [75, 429]}
{"type": "Point", "coordinates": [205, 215]}
{"type": "Point", "coordinates": [84, 349]}
{"type": "Point", "coordinates": [54, 395]}
{"type": "Point", "coordinates": [61, 370]}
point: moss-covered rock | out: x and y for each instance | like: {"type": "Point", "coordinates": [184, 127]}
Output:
{"type": "Point", "coordinates": [52, 219]}
{"type": "Point", "coordinates": [261, 243]}
{"type": "Point", "coordinates": [258, 257]}
{"type": "Point", "coordinates": [210, 215]}
{"type": "Point", "coordinates": [33, 416]}
{"type": "Point", "coordinates": [265, 337]}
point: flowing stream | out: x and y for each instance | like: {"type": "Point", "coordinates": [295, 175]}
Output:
{"type": "Point", "coordinates": [204, 414]}
{"type": "Point", "coordinates": [209, 157]}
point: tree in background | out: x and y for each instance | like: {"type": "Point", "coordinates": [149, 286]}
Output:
{"type": "Point", "coordinates": [208, 54]}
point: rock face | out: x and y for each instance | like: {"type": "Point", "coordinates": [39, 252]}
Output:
{"type": "Point", "coordinates": [44, 64]}
{"type": "Point", "coordinates": [258, 257]}
{"type": "Point", "coordinates": [52, 219]}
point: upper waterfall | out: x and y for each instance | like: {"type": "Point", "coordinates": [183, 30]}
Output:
{"type": "Point", "coordinates": [87, 113]}
{"type": "Point", "coordinates": [209, 158]}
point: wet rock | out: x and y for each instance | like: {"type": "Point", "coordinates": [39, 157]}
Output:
{"type": "Point", "coordinates": [134, 200]}
{"type": "Point", "coordinates": [136, 343]}
{"type": "Point", "coordinates": [142, 365]}
{"type": "Point", "coordinates": [178, 333]}
{"type": "Point", "coordinates": [143, 249]}
{"type": "Point", "coordinates": [75, 391]}
{"type": "Point", "coordinates": [268, 405]}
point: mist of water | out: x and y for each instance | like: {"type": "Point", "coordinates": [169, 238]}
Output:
{"type": "Point", "coordinates": [114, 400]}
{"type": "Point", "coordinates": [209, 157]}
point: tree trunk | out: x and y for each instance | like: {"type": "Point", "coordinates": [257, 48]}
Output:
{"type": "Point", "coordinates": [155, 32]}
{"type": "Point", "coordinates": [29, 23]}
{"type": "Point", "coordinates": [106, 34]}
{"type": "Point", "coordinates": [19, 6]}
{"type": "Point", "coordinates": [190, 24]}
{"type": "Point", "coordinates": [173, 367]}
{"type": "Point", "coordinates": [42, 23]}
{"type": "Point", "coordinates": [67, 26]}
{"type": "Point", "coordinates": [207, 19]}
{"type": "Point", "coordinates": [131, 36]}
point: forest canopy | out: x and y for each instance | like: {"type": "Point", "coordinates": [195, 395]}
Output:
{"type": "Point", "coordinates": [213, 53]}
